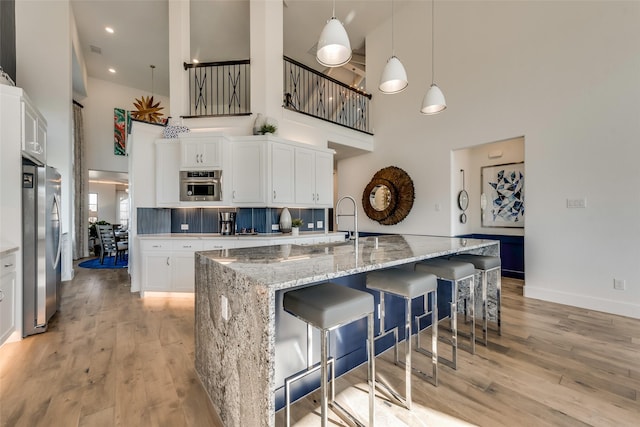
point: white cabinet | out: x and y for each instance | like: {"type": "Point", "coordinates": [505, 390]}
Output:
{"type": "Point", "coordinates": [282, 174]}
{"type": "Point", "coordinates": [7, 296]}
{"type": "Point", "coordinates": [202, 153]}
{"type": "Point", "coordinates": [167, 173]}
{"type": "Point", "coordinates": [34, 133]}
{"type": "Point", "coordinates": [168, 265]}
{"type": "Point", "coordinates": [183, 272]}
{"type": "Point", "coordinates": [313, 178]}
{"type": "Point", "coordinates": [248, 170]}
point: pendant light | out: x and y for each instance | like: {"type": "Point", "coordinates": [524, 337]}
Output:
{"type": "Point", "coordinates": [394, 76]}
{"type": "Point", "coordinates": [433, 101]}
{"type": "Point", "coordinates": [334, 49]}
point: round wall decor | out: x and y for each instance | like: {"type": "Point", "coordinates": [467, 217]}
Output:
{"type": "Point", "coordinates": [389, 196]}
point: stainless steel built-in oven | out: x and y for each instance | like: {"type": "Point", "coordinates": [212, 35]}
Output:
{"type": "Point", "coordinates": [201, 186]}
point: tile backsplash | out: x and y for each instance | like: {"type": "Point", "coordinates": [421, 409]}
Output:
{"type": "Point", "coordinates": [206, 220]}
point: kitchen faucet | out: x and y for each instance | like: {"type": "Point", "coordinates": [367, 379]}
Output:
{"type": "Point", "coordinates": [354, 215]}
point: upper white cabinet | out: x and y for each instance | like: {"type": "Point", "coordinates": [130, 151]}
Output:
{"type": "Point", "coordinates": [34, 132]}
{"type": "Point", "coordinates": [248, 170]}
{"type": "Point", "coordinates": [313, 178]}
{"type": "Point", "coordinates": [167, 173]}
{"type": "Point", "coordinates": [282, 174]}
{"type": "Point", "coordinates": [202, 153]}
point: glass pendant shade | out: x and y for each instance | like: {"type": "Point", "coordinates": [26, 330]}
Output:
{"type": "Point", "coordinates": [334, 49]}
{"type": "Point", "coordinates": [394, 77]}
{"type": "Point", "coordinates": [433, 101]}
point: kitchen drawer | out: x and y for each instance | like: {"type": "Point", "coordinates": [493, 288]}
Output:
{"type": "Point", "coordinates": [186, 245]}
{"type": "Point", "coordinates": [155, 245]}
{"type": "Point", "coordinates": [210, 245]}
{"type": "Point", "coordinates": [7, 264]}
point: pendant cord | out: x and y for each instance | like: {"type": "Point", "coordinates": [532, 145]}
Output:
{"type": "Point", "coordinates": [432, 42]}
{"type": "Point", "coordinates": [334, 9]}
{"type": "Point", "coordinates": [393, 48]}
{"type": "Point", "coordinates": [152, 68]}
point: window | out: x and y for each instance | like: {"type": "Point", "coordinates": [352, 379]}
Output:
{"type": "Point", "coordinates": [123, 213]}
{"type": "Point", "coordinates": [93, 207]}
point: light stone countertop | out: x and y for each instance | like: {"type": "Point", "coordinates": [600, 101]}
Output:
{"type": "Point", "coordinates": [285, 266]}
{"type": "Point", "coordinates": [259, 236]}
{"type": "Point", "coordinates": [236, 315]}
{"type": "Point", "coordinates": [6, 248]}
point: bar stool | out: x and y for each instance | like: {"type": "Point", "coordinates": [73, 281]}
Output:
{"type": "Point", "coordinates": [455, 272]}
{"type": "Point", "coordinates": [486, 264]}
{"type": "Point", "coordinates": [328, 306]}
{"type": "Point", "coordinates": [408, 285]}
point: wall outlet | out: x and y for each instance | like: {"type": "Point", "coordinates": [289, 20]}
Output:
{"type": "Point", "coordinates": [319, 224]}
{"type": "Point", "coordinates": [619, 284]}
{"type": "Point", "coordinates": [184, 227]}
{"type": "Point", "coordinates": [437, 206]}
{"type": "Point", "coordinates": [275, 227]}
{"type": "Point", "coordinates": [224, 307]}
{"type": "Point", "coordinates": [310, 226]}
{"type": "Point", "coordinates": [577, 203]}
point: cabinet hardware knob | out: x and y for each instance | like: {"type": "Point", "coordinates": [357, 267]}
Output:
{"type": "Point", "coordinates": [8, 265]}
{"type": "Point", "coordinates": [233, 196]}
{"type": "Point", "coordinates": [274, 194]}
{"type": "Point", "coordinates": [1, 296]}
{"type": "Point", "coordinates": [168, 261]}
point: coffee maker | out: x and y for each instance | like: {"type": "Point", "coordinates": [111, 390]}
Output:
{"type": "Point", "coordinates": [227, 223]}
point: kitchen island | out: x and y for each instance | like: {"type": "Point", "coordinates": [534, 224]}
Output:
{"type": "Point", "coordinates": [240, 344]}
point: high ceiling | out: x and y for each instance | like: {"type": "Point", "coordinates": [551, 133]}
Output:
{"type": "Point", "coordinates": [219, 31]}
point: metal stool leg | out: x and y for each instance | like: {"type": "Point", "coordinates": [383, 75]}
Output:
{"type": "Point", "coordinates": [324, 344]}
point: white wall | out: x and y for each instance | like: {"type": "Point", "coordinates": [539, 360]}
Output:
{"type": "Point", "coordinates": [98, 121]}
{"type": "Point", "coordinates": [43, 54]}
{"type": "Point", "coordinates": [562, 74]}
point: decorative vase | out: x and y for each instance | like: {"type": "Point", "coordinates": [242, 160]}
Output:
{"type": "Point", "coordinates": [285, 221]}
{"type": "Point", "coordinates": [295, 231]}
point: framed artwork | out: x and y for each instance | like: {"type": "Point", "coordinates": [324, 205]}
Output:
{"type": "Point", "coordinates": [503, 195]}
{"type": "Point", "coordinates": [121, 128]}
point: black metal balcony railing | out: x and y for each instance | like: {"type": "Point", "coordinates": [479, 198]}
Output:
{"type": "Point", "coordinates": [219, 88]}
{"type": "Point", "coordinates": [312, 93]}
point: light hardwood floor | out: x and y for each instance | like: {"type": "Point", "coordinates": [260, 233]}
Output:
{"type": "Point", "coordinates": [112, 359]}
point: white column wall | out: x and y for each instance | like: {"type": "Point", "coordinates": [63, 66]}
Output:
{"type": "Point", "coordinates": [43, 56]}
{"type": "Point", "coordinates": [564, 75]}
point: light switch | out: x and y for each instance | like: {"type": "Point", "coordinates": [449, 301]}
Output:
{"type": "Point", "coordinates": [310, 226]}
{"type": "Point", "coordinates": [184, 227]}
{"type": "Point", "coordinates": [319, 224]}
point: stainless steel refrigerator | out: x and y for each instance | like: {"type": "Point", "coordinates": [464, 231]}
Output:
{"type": "Point", "coordinates": [41, 245]}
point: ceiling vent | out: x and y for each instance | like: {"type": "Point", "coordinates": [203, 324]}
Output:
{"type": "Point", "coordinates": [95, 49]}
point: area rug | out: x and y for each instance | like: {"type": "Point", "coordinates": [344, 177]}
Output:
{"type": "Point", "coordinates": [123, 262]}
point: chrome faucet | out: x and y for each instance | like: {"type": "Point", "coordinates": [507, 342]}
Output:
{"type": "Point", "coordinates": [354, 215]}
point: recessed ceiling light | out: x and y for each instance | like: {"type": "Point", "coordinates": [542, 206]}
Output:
{"type": "Point", "coordinates": [112, 70]}
{"type": "Point", "coordinates": [109, 30]}
{"type": "Point", "coordinates": [195, 61]}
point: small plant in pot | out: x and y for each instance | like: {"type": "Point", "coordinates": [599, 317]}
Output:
{"type": "Point", "coordinates": [268, 129]}
{"type": "Point", "coordinates": [296, 223]}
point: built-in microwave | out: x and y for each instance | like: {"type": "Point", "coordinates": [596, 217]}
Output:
{"type": "Point", "coordinates": [201, 186]}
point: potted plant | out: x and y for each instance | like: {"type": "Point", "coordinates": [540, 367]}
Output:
{"type": "Point", "coordinates": [296, 223]}
{"type": "Point", "coordinates": [268, 129]}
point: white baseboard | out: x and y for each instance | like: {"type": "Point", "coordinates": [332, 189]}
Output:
{"type": "Point", "coordinates": [620, 308]}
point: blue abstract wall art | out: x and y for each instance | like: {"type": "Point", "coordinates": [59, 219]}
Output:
{"type": "Point", "coordinates": [503, 186]}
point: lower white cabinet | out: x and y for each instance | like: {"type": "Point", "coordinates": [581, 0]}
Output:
{"type": "Point", "coordinates": [168, 265]}
{"type": "Point", "coordinates": [7, 296]}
